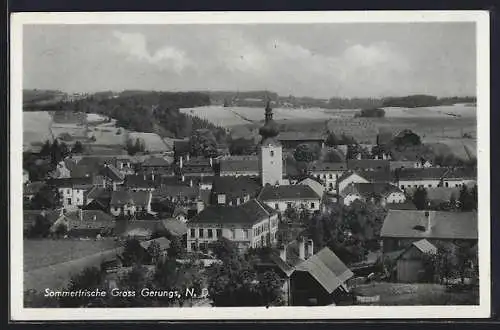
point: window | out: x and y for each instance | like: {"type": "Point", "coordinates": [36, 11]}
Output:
{"type": "Point", "coordinates": [330, 176]}
{"type": "Point", "coordinates": [233, 234]}
{"type": "Point", "coordinates": [272, 153]}
{"type": "Point", "coordinates": [289, 205]}
{"type": "Point", "coordinates": [402, 186]}
{"type": "Point", "coordinates": [245, 233]}
{"type": "Point", "coordinates": [219, 232]}
{"type": "Point", "coordinates": [68, 191]}
{"type": "Point", "coordinates": [312, 205]}
{"type": "Point", "coordinates": [200, 233]}
{"type": "Point", "coordinates": [430, 186]}
{"type": "Point", "coordinates": [193, 232]}
{"type": "Point", "coordinates": [446, 184]}
{"type": "Point", "coordinates": [210, 233]}
{"type": "Point", "coordinates": [193, 246]}
{"type": "Point", "coordinates": [68, 201]}
{"type": "Point", "coordinates": [276, 206]}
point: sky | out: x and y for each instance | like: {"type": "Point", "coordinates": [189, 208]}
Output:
{"type": "Point", "coordinates": [317, 60]}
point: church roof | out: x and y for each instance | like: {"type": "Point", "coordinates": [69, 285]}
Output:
{"type": "Point", "coordinates": [270, 130]}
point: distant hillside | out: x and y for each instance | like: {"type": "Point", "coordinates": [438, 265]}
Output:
{"type": "Point", "coordinates": [36, 96]}
{"type": "Point", "coordinates": [143, 111]}
{"type": "Point", "coordinates": [417, 101]}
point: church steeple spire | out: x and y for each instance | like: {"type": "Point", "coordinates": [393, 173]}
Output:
{"type": "Point", "coordinates": [270, 129]}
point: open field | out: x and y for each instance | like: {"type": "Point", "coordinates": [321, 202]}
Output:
{"type": "Point", "coordinates": [36, 127]}
{"type": "Point", "coordinates": [154, 143]}
{"type": "Point", "coordinates": [398, 294]}
{"type": "Point", "coordinates": [40, 253]}
{"type": "Point", "coordinates": [51, 263]}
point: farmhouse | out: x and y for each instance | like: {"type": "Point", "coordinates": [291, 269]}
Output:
{"type": "Point", "coordinates": [350, 177]}
{"type": "Point", "coordinates": [196, 167]}
{"type": "Point", "coordinates": [319, 280]}
{"type": "Point", "coordinates": [291, 196]}
{"type": "Point", "coordinates": [85, 223]}
{"type": "Point", "coordinates": [420, 177]}
{"type": "Point", "coordinates": [403, 227]}
{"type": "Point", "coordinates": [380, 193]}
{"type": "Point", "coordinates": [157, 165]}
{"type": "Point", "coordinates": [251, 224]}
{"type": "Point", "coordinates": [130, 202]}
{"type": "Point", "coordinates": [72, 190]}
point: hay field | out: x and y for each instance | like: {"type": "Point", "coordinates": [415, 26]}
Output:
{"type": "Point", "coordinates": [153, 142]}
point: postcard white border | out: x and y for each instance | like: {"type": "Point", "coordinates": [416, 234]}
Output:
{"type": "Point", "coordinates": [19, 313]}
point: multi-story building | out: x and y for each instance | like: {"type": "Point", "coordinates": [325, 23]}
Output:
{"type": "Point", "coordinates": [249, 225]}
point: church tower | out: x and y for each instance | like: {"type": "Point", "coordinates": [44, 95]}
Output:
{"type": "Point", "coordinates": [270, 151]}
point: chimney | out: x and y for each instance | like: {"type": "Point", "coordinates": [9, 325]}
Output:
{"type": "Point", "coordinates": [428, 221]}
{"type": "Point", "coordinates": [283, 252]}
{"type": "Point", "coordinates": [94, 218]}
{"type": "Point", "coordinates": [211, 162]}
{"type": "Point", "coordinates": [114, 186]}
{"type": "Point", "coordinates": [144, 175]}
{"type": "Point", "coordinates": [187, 157]}
{"type": "Point", "coordinates": [153, 176]}
{"type": "Point", "coordinates": [191, 182]}
{"type": "Point", "coordinates": [180, 162]}
{"type": "Point", "coordinates": [182, 178]}
{"type": "Point", "coordinates": [302, 249]}
{"type": "Point", "coordinates": [200, 206]}
{"type": "Point", "coordinates": [310, 248]}
{"type": "Point", "coordinates": [80, 213]}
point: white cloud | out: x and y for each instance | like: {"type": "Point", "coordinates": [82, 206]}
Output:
{"type": "Point", "coordinates": [167, 57]}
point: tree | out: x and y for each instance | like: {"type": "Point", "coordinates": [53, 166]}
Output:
{"type": "Point", "coordinates": [41, 227]}
{"type": "Point", "coordinates": [224, 249]}
{"type": "Point", "coordinates": [89, 279]}
{"type": "Point", "coordinates": [420, 198]}
{"type": "Point", "coordinates": [46, 198]}
{"type": "Point", "coordinates": [203, 143]}
{"type": "Point", "coordinates": [133, 253]}
{"type": "Point", "coordinates": [406, 138]}
{"type": "Point", "coordinates": [61, 230]}
{"type": "Point", "coordinates": [371, 112]}
{"type": "Point", "coordinates": [176, 248]}
{"type": "Point", "coordinates": [241, 146]}
{"type": "Point", "coordinates": [467, 199]}
{"type": "Point", "coordinates": [77, 148]}
{"type": "Point", "coordinates": [270, 289]}
{"type": "Point", "coordinates": [46, 149]}
{"type": "Point", "coordinates": [332, 140]}
{"type": "Point", "coordinates": [306, 153]}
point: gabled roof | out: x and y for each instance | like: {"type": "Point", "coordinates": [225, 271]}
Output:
{"type": "Point", "coordinates": [239, 164]}
{"type": "Point", "coordinates": [140, 198]}
{"type": "Point", "coordinates": [139, 181]}
{"type": "Point", "coordinates": [443, 225]}
{"type": "Point", "coordinates": [368, 190]}
{"type": "Point", "coordinates": [394, 164]}
{"type": "Point", "coordinates": [247, 213]}
{"type": "Point", "coordinates": [327, 166]}
{"type": "Point", "coordinates": [290, 192]}
{"type": "Point", "coordinates": [175, 227]}
{"type": "Point", "coordinates": [377, 176]}
{"type": "Point", "coordinates": [434, 173]}
{"type": "Point", "coordinates": [156, 162]}
{"type": "Point", "coordinates": [97, 192]}
{"type": "Point", "coordinates": [140, 228]}
{"type": "Point", "coordinates": [318, 188]}
{"type": "Point", "coordinates": [235, 186]}
{"type": "Point", "coordinates": [177, 191]}
{"type": "Point", "coordinates": [273, 259]}
{"type": "Point", "coordinates": [425, 246]}
{"type": "Point", "coordinates": [461, 173]}
{"type": "Point", "coordinates": [111, 173]}
{"type": "Point", "coordinates": [368, 164]}
{"type": "Point", "coordinates": [89, 219]}
{"type": "Point", "coordinates": [327, 269]}
{"type": "Point", "coordinates": [71, 182]}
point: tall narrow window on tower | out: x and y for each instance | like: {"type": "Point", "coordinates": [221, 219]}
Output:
{"type": "Point", "coordinates": [271, 155]}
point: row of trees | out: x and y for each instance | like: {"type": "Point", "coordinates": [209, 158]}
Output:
{"type": "Point", "coordinates": [467, 200]}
